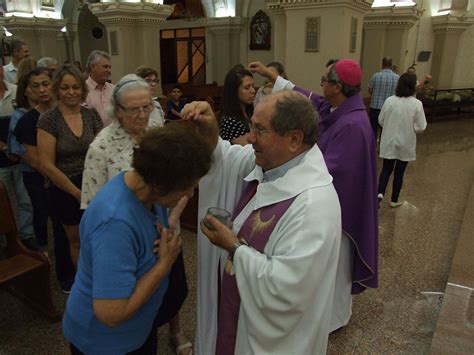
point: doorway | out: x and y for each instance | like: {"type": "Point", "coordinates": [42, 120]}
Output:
{"type": "Point", "coordinates": [183, 54]}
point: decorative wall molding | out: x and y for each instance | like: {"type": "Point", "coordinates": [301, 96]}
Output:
{"type": "Point", "coordinates": [131, 13]}
{"type": "Point", "coordinates": [32, 24]}
{"type": "Point", "coordinates": [225, 25]}
{"type": "Point", "coordinates": [358, 5]}
{"type": "Point", "coordinates": [392, 17]}
{"type": "Point", "coordinates": [450, 23]}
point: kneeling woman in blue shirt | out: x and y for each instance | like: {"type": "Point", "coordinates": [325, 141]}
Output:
{"type": "Point", "coordinates": [120, 281]}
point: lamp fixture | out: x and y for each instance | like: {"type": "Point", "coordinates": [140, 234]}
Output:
{"type": "Point", "coordinates": [7, 33]}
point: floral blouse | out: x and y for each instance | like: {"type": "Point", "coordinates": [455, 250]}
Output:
{"type": "Point", "coordinates": [110, 153]}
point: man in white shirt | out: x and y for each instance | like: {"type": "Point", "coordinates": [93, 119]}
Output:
{"type": "Point", "coordinates": [100, 90]}
{"type": "Point", "coordinates": [277, 286]}
{"type": "Point", "coordinates": [19, 51]}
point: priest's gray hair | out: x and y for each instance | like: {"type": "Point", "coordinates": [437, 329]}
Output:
{"type": "Point", "coordinates": [94, 57]}
{"type": "Point", "coordinates": [347, 90]}
{"type": "Point", "coordinates": [129, 82]}
{"type": "Point", "coordinates": [294, 111]}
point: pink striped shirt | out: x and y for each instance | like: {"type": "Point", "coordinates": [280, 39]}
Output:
{"type": "Point", "coordinates": [99, 98]}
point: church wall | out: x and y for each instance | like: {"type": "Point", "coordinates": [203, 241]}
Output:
{"type": "Point", "coordinates": [306, 68]}
{"type": "Point", "coordinates": [463, 68]}
{"type": "Point", "coordinates": [421, 38]}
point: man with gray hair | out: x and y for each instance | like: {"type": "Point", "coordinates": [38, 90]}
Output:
{"type": "Point", "coordinates": [49, 63]}
{"type": "Point", "coordinates": [19, 51]}
{"type": "Point", "coordinates": [277, 263]}
{"type": "Point", "coordinates": [100, 90]}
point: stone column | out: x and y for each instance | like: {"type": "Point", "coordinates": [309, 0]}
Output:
{"type": "Point", "coordinates": [66, 40]}
{"type": "Point", "coordinates": [279, 36]}
{"type": "Point", "coordinates": [386, 34]}
{"type": "Point", "coordinates": [222, 46]}
{"type": "Point", "coordinates": [448, 30]}
{"type": "Point", "coordinates": [40, 34]}
{"type": "Point", "coordinates": [134, 34]}
{"type": "Point", "coordinates": [335, 19]}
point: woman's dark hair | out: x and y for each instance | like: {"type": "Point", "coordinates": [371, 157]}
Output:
{"type": "Point", "coordinates": [69, 69]}
{"type": "Point", "coordinates": [279, 68]}
{"type": "Point", "coordinates": [406, 85]}
{"type": "Point", "coordinates": [143, 72]}
{"type": "Point", "coordinates": [230, 98]}
{"type": "Point", "coordinates": [24, 82]}
{"type": "Point", "coordinates": [172, 158]}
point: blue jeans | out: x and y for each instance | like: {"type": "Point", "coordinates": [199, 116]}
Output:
{"type": "Point", "coordinates": [387, 169]}
{"type": "Point", "coordinates": [12, 178]}
{"type": "Point", "coordinates": [34, 183]}
{"type": "Point", "coordinates": [374, 122]}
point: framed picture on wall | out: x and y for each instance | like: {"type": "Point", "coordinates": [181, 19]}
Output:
{"type": "Point", "coordinates": [260, 31]}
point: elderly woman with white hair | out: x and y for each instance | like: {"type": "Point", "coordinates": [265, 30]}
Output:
{"type": "Point", "coordinates": [111, 152]}
{"type": "Point", "coordinates": [133, 112]}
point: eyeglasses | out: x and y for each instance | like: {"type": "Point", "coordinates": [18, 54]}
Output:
{"type": "Point", "coordinates": [153, 81]}
{"type": "Point", "coordinates": [258, 131]}
{"type": "Point", "coordinates": [135, 111]}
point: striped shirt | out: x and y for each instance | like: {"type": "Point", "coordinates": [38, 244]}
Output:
{"type": "Point", "coordinates": [383, 85]}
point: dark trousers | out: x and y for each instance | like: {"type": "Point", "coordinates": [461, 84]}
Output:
{"type": "Point", "coordinates": [374, 122]}
{"type": "Point", "coordinates": [148, 348]}
{"type": "Point", "coordinates": [34, 184]}
{"type": "Point", "coordinates": [65, 270]}
{"type": "Point", "coordinates": [387, 169]}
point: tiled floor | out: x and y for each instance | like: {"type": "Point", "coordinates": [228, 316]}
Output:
{"type": "Point", "coordinates": [417, 241]}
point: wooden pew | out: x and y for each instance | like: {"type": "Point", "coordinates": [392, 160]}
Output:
{"type": "Point", "coordinates": [24, 273]}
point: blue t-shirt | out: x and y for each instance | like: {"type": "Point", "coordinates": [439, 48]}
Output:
{"type": "Point", "coordinates": [171, 105]}
{"type": "Point", "coordinates": [117, 234]}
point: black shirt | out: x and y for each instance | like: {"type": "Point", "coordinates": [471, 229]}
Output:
{"type": "Point", "coordinates": [25, 130]}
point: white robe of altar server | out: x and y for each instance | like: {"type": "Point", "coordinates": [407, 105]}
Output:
{"type": "Point", "coordinates": [286, 293]}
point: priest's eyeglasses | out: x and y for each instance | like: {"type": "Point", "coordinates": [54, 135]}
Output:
{"type": "Point", "coordinates": [135, 111]}
{"type": "Point", "coordinates": [258, 131]}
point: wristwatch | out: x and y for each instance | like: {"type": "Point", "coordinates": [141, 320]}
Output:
{"type": "Point", "coordinates": [234, 248]}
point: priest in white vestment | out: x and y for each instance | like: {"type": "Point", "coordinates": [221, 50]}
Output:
{"type": "Point", "coordinates": [276, 267]}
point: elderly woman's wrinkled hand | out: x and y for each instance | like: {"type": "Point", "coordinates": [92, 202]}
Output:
{"type": "Point", "coordinates": [169, 246]}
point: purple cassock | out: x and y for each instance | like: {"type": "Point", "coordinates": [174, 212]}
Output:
{"type": "Point", "coordinates": [347, 142]}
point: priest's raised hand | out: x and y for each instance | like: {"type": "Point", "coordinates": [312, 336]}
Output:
{"type": "Point", "coordinates": [201, 115]}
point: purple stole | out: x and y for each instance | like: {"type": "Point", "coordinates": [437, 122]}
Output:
{"type": "Point", "coordinates": [255, 233]}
